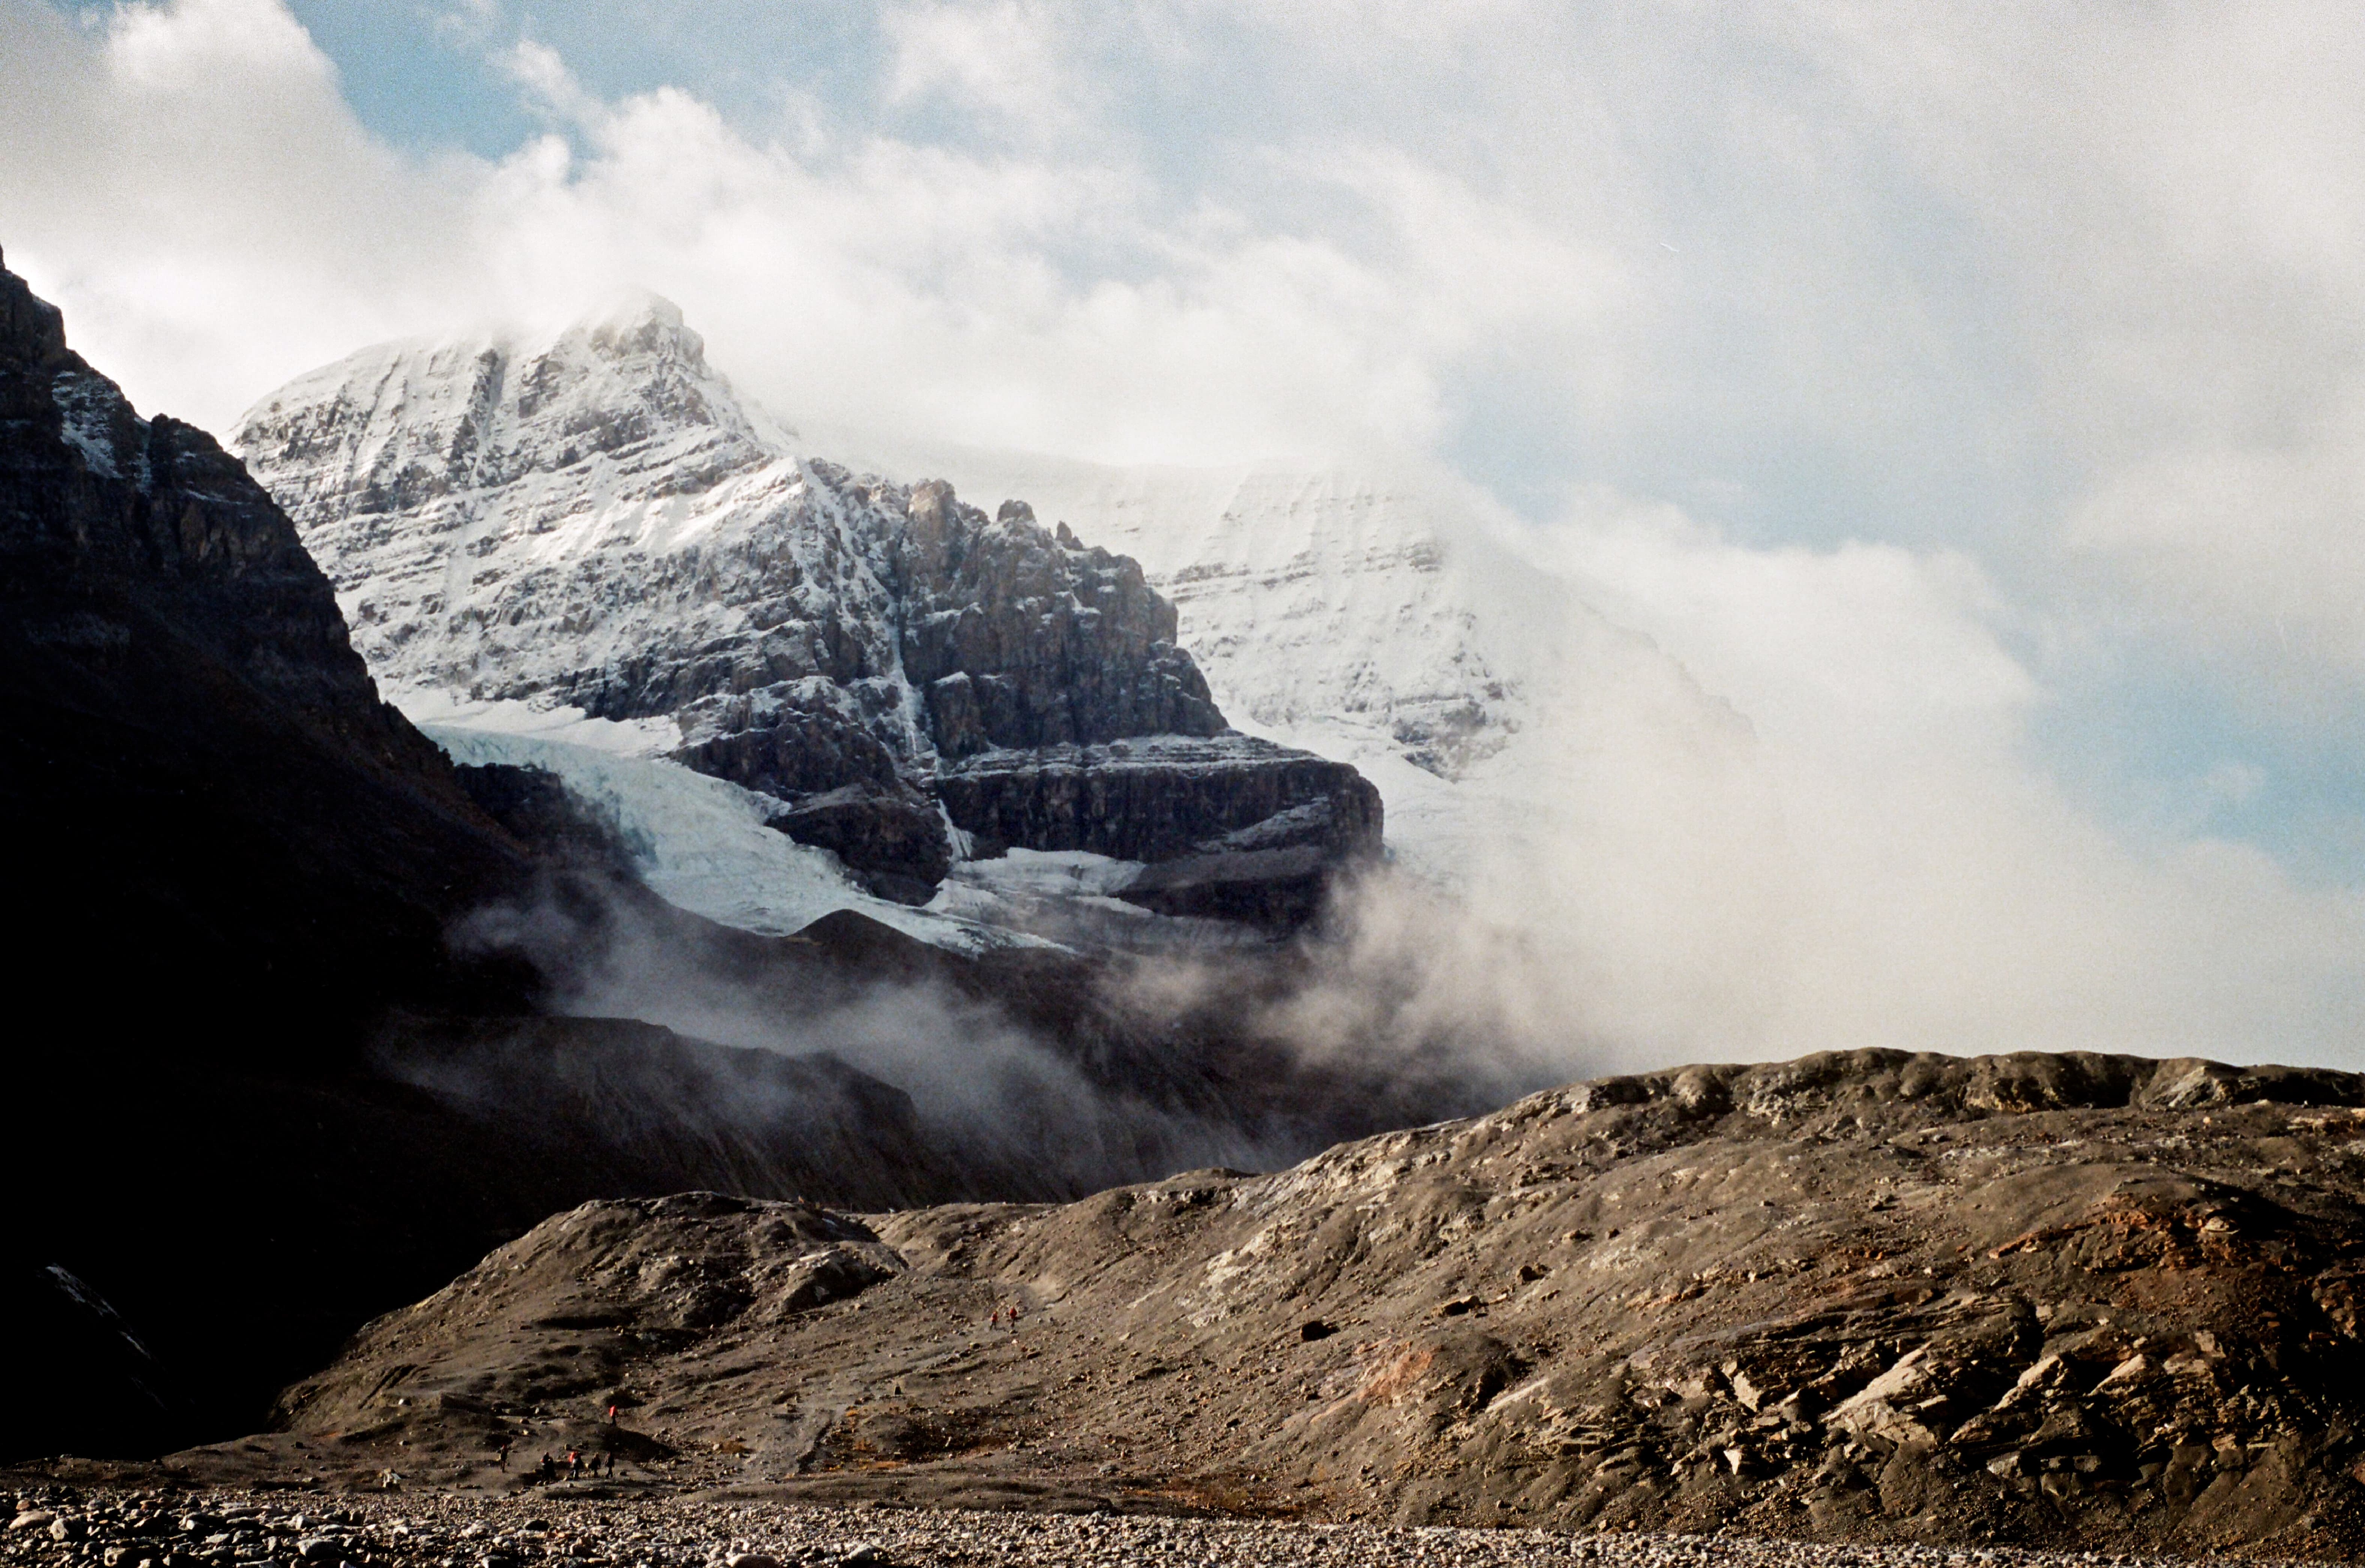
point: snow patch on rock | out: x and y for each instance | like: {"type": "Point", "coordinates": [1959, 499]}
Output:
{"type": "Point", "coordinates": [428, 708]}
{"type": "Point", "coordinates": [89, 407]}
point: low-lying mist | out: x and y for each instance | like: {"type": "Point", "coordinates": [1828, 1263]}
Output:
{"type": "Point", "coordinates": [1043, 1074]}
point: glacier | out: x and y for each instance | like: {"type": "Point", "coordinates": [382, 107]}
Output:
{"type": "Point", "coordinates": [701, 843]}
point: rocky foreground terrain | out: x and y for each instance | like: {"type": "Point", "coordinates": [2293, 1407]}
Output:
{"type": "Point", "coordinates": [62, 1525]}
{"type": "Point", "coordinates": [2058, 1300]}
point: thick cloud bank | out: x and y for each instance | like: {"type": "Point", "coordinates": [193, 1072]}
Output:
{"type": "Point", "coordinates": [1991, 381]}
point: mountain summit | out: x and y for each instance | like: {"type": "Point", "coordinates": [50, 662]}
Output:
{"type": "Point", "coordinates": [597, 522]}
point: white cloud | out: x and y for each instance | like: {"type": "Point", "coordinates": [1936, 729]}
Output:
{"type": "Point", "coordinates": [537, 68]}
{"type": "Point", "coordinates": [193, 191]}
{"type": "Point", "coordinates": [2259, 548]}
{"type": "Point", "coordinates": [2172, 194]}
{"type": "Point", "coordinates": [2058, 314]}
{"type": "Point", "coordinates": [1001, 59]}
{"type": "Point", "coordinates": [889, 282]}
{"type": "Point", "coordinates": [1869, 643]}
{"type": "Point", "coordinates": [1878, 863]}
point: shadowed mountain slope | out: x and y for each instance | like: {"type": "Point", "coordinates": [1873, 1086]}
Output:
{"type": "Point", "coordinates": [216, 812]}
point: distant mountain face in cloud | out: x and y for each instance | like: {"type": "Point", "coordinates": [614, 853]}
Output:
{"type": "Point", "coordinates": [1971, 398]}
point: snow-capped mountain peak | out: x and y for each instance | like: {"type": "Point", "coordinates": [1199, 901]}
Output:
{"type": "Point", "coordinates": [595, 521]}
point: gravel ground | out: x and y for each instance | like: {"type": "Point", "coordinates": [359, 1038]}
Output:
{"type": "Point", "coordinates": [230, 1529]}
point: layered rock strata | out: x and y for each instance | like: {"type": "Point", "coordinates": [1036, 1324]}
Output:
{"type": "Point", "coordinates": [1259, 844]}
{"type": "Point", "coordinates": [598, 523]}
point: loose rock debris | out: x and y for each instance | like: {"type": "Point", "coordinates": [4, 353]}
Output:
{"type": "Point", "coordinates": [234, 1529]}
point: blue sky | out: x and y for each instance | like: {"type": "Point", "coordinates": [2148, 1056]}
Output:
{"type": "Point", "coordinates": [2063, 308]}
{"type": "Point", "coordinates": [418, 72]}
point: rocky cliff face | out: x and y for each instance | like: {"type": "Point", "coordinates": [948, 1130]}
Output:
{"type": "Point", "coordinates": [2080, 1301]}
{"type": "Point", "coordinates": [1392, 621]}
{"type": "Point", "coordinates": [1357, 605]}
{"type": "Point", "coordinates": [1024, 638]}
{"type": "Point", "coordinates": [597, 521]}
{"type": "Point", "coordinates": [1256, 844]}
{"type": "Point", "coordinates": [227, 857]}
{"type": "Point", "coordinates": [196, 758]}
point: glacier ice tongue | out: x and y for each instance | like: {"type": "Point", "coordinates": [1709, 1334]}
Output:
{"type": "Point", "coordinates": [701, 843]}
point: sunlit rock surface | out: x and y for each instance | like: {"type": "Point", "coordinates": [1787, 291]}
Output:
{"type": "Point", "coordinates": [2083, 1301]}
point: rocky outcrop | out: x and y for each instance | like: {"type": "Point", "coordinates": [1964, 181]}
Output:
{"type": "Point", "coordinates": [1277, 872]}
{"type": "Point", "coordinates": [1233, 828]}
{"type": "Point", "coordinates": [892, 839]}
{"type": "Point", "coordinates": [1279, 888]}
{"type": "Point", "coordinates": [1161, 798]}
{"type": "Point", "coordinates": [1024, 638]}
{"type": "Point", "coordinates": [2096, 1303]}
{"type": "Point", "coordinates": [597, 522]}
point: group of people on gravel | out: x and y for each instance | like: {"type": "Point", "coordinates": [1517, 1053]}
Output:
{"type": "Point", "coordinates": [576, 1465]}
